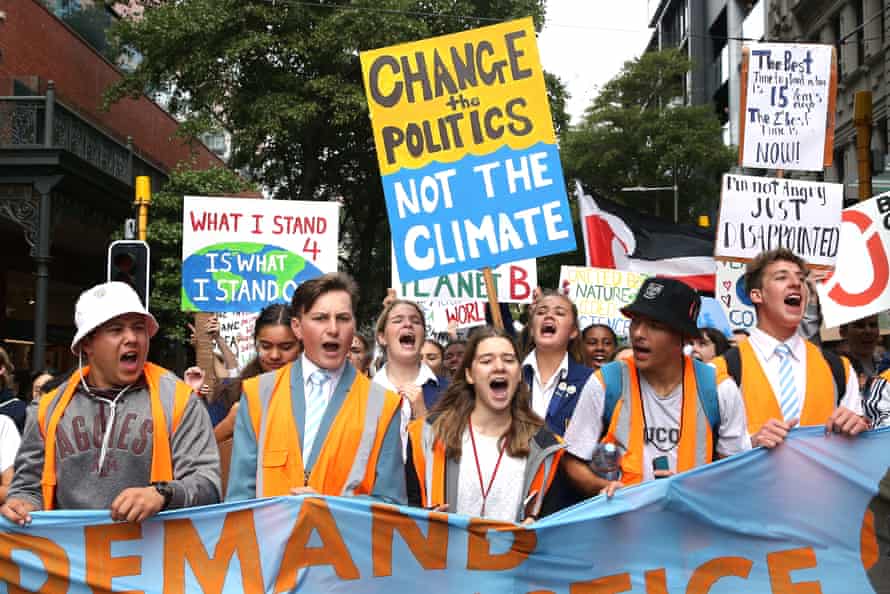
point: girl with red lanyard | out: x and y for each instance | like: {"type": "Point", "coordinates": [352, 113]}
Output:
{"type": "Point", "coordinates": [482, 451]}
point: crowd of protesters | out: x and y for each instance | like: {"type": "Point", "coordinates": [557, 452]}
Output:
{"type": "Point", "coordinates": [490, 424]}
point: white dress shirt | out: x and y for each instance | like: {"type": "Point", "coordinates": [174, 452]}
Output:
{"type": "Point", "coordinates": [327, 390]}
{"type": "Point", "coordinates": [542, 392]}
{"type": "Point", "coordinates": [764, 347]}
{"type": "Point", "coordinates": [424, 374]}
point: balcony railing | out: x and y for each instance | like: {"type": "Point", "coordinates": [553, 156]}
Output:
{"type": "Point", "coordinates": [23, 124]}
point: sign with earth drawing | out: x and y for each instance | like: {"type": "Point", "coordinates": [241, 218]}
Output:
{"type": "Point", "coordinates": [239, 254]}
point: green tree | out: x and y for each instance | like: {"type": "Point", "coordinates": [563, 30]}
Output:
{"type": "Point", "coordinates": [635, 134]}
{"type": "Point", "coordinates": [284, 78]}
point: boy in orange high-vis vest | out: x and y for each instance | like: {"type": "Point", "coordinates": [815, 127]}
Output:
{"type": "Point", "coordinates": [119, 434]}
{"type": "Point", "coordinates": [664, 411]}
{"type": "Point", "coordinates": [787, 381]}
{"type": "Point", "coordinates": [317, 425]}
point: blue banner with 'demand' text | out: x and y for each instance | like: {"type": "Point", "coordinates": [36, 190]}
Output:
{"type": "Point", "coordinates": [804, 518]}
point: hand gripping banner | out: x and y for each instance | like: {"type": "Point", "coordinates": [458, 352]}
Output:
{"type": "Point", "coordinates": [802, 518]}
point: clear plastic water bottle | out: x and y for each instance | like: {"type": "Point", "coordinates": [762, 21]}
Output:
{"type": "Point", "coordinates": [606, 461]}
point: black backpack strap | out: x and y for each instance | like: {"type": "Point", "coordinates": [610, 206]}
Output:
{"type": "Point", "coordinates": [734, 365]}
{"type": "Point", "coordinates": [838, 373]}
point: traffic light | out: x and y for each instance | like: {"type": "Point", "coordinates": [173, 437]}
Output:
{"type": "Point", "coordinates": [128, 262]}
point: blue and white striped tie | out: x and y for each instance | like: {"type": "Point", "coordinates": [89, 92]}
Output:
{"type": "Point", "coordinates": [788, 400]}
{"type": "Point", "coordinates": [316, 404]}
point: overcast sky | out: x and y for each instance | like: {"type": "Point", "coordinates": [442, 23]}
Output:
{"type": "Point", "coordinates": [585, 43]}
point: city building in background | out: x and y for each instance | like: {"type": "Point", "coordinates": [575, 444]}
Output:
{"type": "Point", "coordinates": [711, 33]}
{"type": "Point", "coordinates": [67, 167]}
{"type": "Point", "coordinates": [857, 28]}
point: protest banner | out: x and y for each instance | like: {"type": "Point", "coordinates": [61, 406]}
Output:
{"type": "Point", "coordinates": [787, 107]}
{"type": "Point", "coordinates": [515, 282]}
{"type": "Point", "coordinates": [599, 294]}
{"type": "Point", "coordinates": [467, 153]}
{"type": "Point", "coordinates": [702, 531]}
{"type": "Point", "coordinates": [733, 296]}
{"type": "Point", "coordinates": [761, 213]}
{"type": "Point", "coordinates": [861, 287]}
{"type": "Point", "coordinates": [237, 330]}
{"type": "Point", "coordinates": [240, 255]}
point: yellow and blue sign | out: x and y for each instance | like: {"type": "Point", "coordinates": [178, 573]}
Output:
{"type": "Point", "coordinates": [467, 152]}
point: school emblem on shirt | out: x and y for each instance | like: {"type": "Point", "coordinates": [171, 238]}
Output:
{"type": "Point", "coordinates": [653, 290]}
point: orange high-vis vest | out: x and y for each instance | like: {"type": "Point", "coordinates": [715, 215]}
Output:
{"type": "Point", "coordinates": [169, 397]}
{"type": "Point", "coordinates": [626, 428]}
{"type": "Point", "coordinates": [347, 461]}
{"type": "Point", "coordinates": [430, 464]}
{"type": "Point", "coordinates": [761, 403]}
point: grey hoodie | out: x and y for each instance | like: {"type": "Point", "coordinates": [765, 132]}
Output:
{"type": "Point", "coordinates": [79, 435]}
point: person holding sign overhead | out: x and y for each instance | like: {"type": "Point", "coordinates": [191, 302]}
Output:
{"type": "Point", "coordinates": [785, 380]}
{"type": "Point", "coordinates": [316, 425]}
{"type": "Point", "coordinates": [663, 411]}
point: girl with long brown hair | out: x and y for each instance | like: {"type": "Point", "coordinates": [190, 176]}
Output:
{"type": "Point", "coordinates": [482, 451]}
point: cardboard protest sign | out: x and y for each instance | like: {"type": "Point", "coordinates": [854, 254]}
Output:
{"type": "Point", "coordinates": [237, 330]}
{"type": "Point", "coordinates": [441, 312]}
{"type": "Point", "coordinates": [600, 293]}
{"type": "Point", "coordinates": [515, 282]}
{"type": "Point", "coordinates": [787, 109]}
{"type": "Point", "coordinates": [861, 287]}
{"type": "Point", "coordinates": [239, 255]}
{"type": "Point", "coordinates": [761, 213]}
{"type": "Point", "coordinates": [733, 296]}
{"type": "Point", "coordinates": [467, 153]}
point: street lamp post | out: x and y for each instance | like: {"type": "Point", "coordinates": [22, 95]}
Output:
{"type": "Point", "coordinates": [660, 189]}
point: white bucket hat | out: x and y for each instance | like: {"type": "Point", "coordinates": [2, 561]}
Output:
{"type": "Point", "coordinates": [104, 302]}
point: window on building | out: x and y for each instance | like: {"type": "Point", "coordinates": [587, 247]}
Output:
{"type": "Point", "coordinates": [860, 33]}
{"type": "Point", "coordinates": [836, 27]}
{"type": "Point", "coordinates": [881, 14]}
{"type": "Point", "coordinates": [674, 26]}
{"type": "Point", "coordinates": [839, 168]}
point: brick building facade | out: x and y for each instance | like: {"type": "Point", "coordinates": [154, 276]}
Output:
{"type": "Point", "coordinates": [67, 171]}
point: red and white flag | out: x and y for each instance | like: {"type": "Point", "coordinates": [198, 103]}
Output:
{"type": "Point", "coordinates": [620, 238]}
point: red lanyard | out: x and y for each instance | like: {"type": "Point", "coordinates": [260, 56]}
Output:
{"type": "Point", "coordinates": [494, 473]}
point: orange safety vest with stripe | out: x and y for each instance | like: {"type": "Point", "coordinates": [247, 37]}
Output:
{"type": "Point", "coordinates": [434, 474]}
{"type": "Point", "coordinates": [626, 427]}
{"type": "Point", "coordinates": [347, 461]}
{"type": "Point", "coordinates": [761, 403]}
{"type": "Point", "coordinates": [169, 397]}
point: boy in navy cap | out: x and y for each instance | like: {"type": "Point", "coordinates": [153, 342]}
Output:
{"type": "Point", "coordinates": [663, 410]}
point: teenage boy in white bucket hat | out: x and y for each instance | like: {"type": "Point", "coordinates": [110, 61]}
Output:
{"type": "Point", "coordinates": [121, 433]}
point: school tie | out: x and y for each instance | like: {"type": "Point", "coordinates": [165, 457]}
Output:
{"type": "Point", "coordinates": [788, 400]}
{"type": "Point", "coordinates": [316, 404]}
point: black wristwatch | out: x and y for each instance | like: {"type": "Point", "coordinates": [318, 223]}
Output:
{"type": "Point", "coordinates": [166, 491]}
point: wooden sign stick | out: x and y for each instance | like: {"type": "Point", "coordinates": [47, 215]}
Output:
{"type": "Point", "coordinates": [492, 290]}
